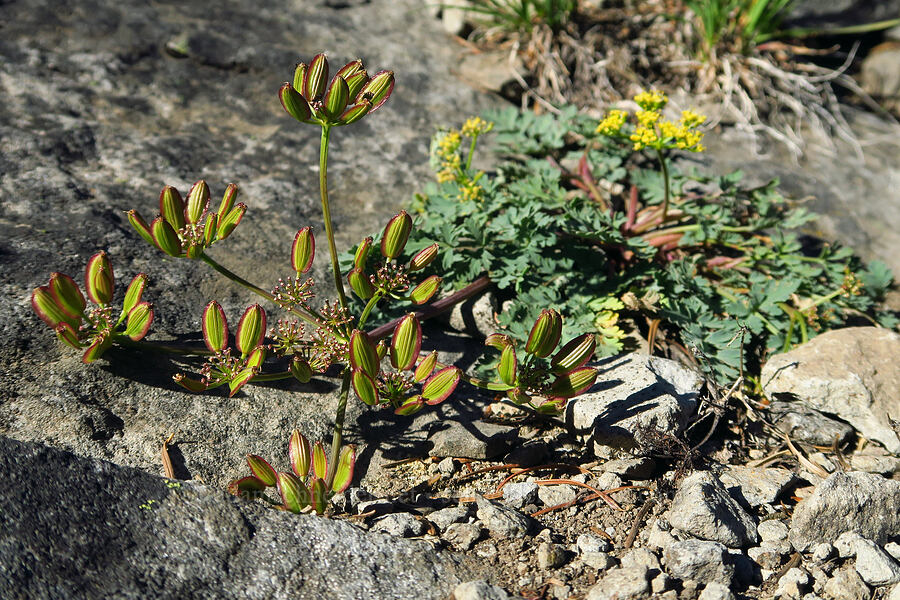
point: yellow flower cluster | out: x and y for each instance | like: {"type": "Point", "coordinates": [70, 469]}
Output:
{"type": "Point", "coordinates": [652, 100]}
{"type": "Point", "coordinates": [651, 130]}
{"type": "Point", "coordinates": [475, 126]}
{"type": "Point", "coordinates": [470, 191]}
{"type": "Point", "coordinates": [612, 123]}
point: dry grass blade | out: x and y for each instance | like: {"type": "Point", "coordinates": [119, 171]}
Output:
{"type": "Point", "coordinates": [168, 469]}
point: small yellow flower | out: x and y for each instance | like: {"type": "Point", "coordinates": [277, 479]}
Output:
{"type": "Point", "coordinates": [449, 144]}
{"type": "Point", "coordinates": [475, 126]}
{"type": "Point", "coordinates": [647, 117]}
{"type": "Point", "coordinates": [644, 136]}
{"type": "Point", "coordinates": [691, 119]}
{"type": "Point", "coordinates": [612, 123]}
{"type": "Point", "coordinates": [471, 191]}
{"type": "Point", "coordinates": [651, 100]}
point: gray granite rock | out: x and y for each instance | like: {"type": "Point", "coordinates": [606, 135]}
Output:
{"type": "Point", "coordinates": [598, 560]}
{"type": "Point", "coordinates": [399, 525]}
{"type": "Point", "coordinates": [444, 517]}
{"type": "Point", "coordinates": [869, 502]}
{"type": "Point", "coordinates": [476, 439]}
{"type": "Point", "coordinates": [715, 591]}
{"type": "Point", "coordinates": [807, 425]}
{"type": "Point", "coordinates": [587, 542]}
{"type": "Point", "coordinates": [851, 373]}
{"type": "Point", "coordinates": [703, 508]}
{"type": "Point", "coordinates": [550, 555]}
{"type": "Point", "coordinates": [641, 557]}
{"type": "Point", "coordinates": [634, 392]}
{"type": "Point", "coordinates": [641, 467]}
{"type": "Point", "coordinates": [479, 590]}
{"type": "Point", "coordinates": [517, 495]}
{"type": "Point", "coordinates": [875, 566]}
{"type": "Point", "coordinates": [82, 528]}
{"type": "Point", "coordinates": [846, 584]}
{"type": "Point", "coordinates": [698, 560]}
{"type": "Point", "coordinates": [462, 536]}
{"type": "Point", "coordinates": [772, 530]}
{"type": "Point", "coordinates": [503, 522]}
{"type": "Point", "coordinates": [756, 486]}
{"type": "Point", "coordinates": [621, 584]}
{"type": "Point", "coordinates": [793, 583]}
{"type": "Point", "coordinates": [552, 495]}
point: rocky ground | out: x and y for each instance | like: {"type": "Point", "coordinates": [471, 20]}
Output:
{"type": "Point", "coordinates": [625, 496]}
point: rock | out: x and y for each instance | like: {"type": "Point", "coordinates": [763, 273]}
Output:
{"type": "Point", "coordinates": [806, 425]}
{"type": "Point", "coordinates": [894, 593]}
{"type": "Point", "coordinates": [641, 467]}
{"type": "Point", "coordinates": [845, 584]}
{"type": "Point", "coordinates": [846, 543]}
{"type": "Point", "coordinates": [698, 560]}
{"type": "Point", "coordinates": [880, 76]}
{"type": "Point", "coordinates": [660, 583]}
{"type": "Point", "coordinates": [659, 535]}
{"type": "Point", "coordinates": [517, 495]}
{"type": "Point", "coordinates": [550, 556]}
{"type": "Point", "coordinates": [598, 560]}
{"type": "Point", "coordinates": [490, 71]}
{"type": "Point", "coordinates": [772, 530]}
{"type": "Point", "coordinates": [479, 590]}
{"type": "Point", "coordinates": [765, 556]}
{"type": "Point", "coordinates": [756, 486]}
{"type": "Point", "coordinates": [529, 454]}
{"type": "Point", "coordinates": [874, 565]}
{"type": "Point", "coordinates": [475, 316]}
{"type": "Point", "coordinates": [349, 499]}
{"type": "Point", "coordinates": [399, 525]}
{"type": "Point", "coordinates": [592, 543]}
{"type": "Point", "coordinates": [850, 373]}
{"type": "Point", "coordinates": [621, 584]}
{"type": "Point", "coordinates": [462, 536]}
{"type": "Point", "coordinates": [551, 495]}
{"type": "Point", "coordinates": [893, 548]}
{"type": "Point", "coordinates": [608, 481]}
{"type": "Point", "coordinates": [447, 466]}
{"type": "Point", "coordinates": [792, 584]}
{"type": "Point", "coordinates": [453, 15]}
{"type": "Point", "coordinates": [503, 522]}
{"type": "Point", "coordinates": [76, 527]}
{"type": "Point", "coordinates": [445, 517]}
{"type": "Point", "coordinates": [634, 392]}
{"type": "Point", "coordinates": [880, 465]}
{"type": "Point", "coordinates": [476, 439]}
{"type": "Point", "coordinates": [822, 552]}
{"type": "Point", "coordinates": [716, 591]}
{"type": "Point", "coordinates": [870, 502]}
{"type": "Point", "coordinates": [702, 508]}
{"type": "Point", "coordinates": [642, 558]}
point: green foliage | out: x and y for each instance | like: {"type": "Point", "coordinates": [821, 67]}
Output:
{"type": "Point", "coordinates": [574, 221]}
{"type": "Point", "coordinates": [523, 15]}
{"type": "Point", "coordinates": [737, 24]}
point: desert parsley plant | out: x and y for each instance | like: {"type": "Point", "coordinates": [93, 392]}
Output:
{"type": "Point", "coordinates": [592, 218]}
{"type": "Point", "coordinates": [384, 366]}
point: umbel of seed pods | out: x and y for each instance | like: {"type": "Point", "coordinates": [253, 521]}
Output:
{"type": "Point", "coordinates": [62, 306]}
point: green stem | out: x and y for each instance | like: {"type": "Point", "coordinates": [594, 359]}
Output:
{"type": "Point", "coordinates": [471, 152]}
{"type": "Point", "coordinates": [326, 214]}
{"type": "Point", "coordinates": [368, 309]}
{"type": "Point", "coordinates": [665, 172]}
{"type": "Point", "coordinates": [337, 436]}
{"type": "Point", "coordinates": [272, 376]}
{"type": "Point", "coordinates": [124, 340]}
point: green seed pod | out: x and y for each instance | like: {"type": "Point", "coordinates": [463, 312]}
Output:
{"type": "Point", "coordinates": [355, 83]}
{"type": "Point", "coordinates": [215, 327]}
{"type": "Point", "coordinates": [301, 370]}
{"type": "Point", "coordinates": [191, 385]}
{"type": "Point", "coordinates": [294, 494]}
{"type": "Point", "coordinates": [67, 296]}
{"type": "Point", "coordinates": [227, 203]}
{"type": "Point", "coordinates": [351, 69]}
{"type": "Point", "coordinates": [497, 340]}
{"type": "Point", "coordinates": [410, 406]}
{"type": "Point", "coordinates": [300, 453]}
{"type": "Point", "coordinates": [134, 292]}
{"type": "Point", "coordinates": [210, 229]}
{"type": "Point", "coordinates": [360, 284]}
{"type": "Point", "coordinates": [250, 330]}
{"type": "Point", "coordinates": [294, 103]}
{"type": "Point", "coordinates": [241, 379]}
{"type": "Point", "coordinates": [246, 486]}
{"type": "Point", "coordinates": [518, 396]}
{"type": "Point", "coordinates": [425, 368]}
{"type": "Point", "coordinates": [68, 336]}
{"type": "Point", "coordinates": [378, 89]}
{"type": "Point", "coordinates": [423, 258]}
{"type": "Point", "coordinates": [440, 385]}
{"type": "Point", "coordinates": [140, 225]}
{"type": "Point", "coordinates": [364, 386]}
{"type": "Point", "coordinates": [507, 366]}
{"type": "Point", "coordinates": [231, 220]}
{"type": "Point", "coordinates": [303, 251]}
{"type": "Point", "coordinates": [396, 233]}
{"type": "Point", "coordinates": [171, 207]}
{"type": "Point", "coordinates": [316, 78]}
{"type": "Point", "coordinates": [256, 357]}
{"type": "Point", "coordinates": [197, 202]}
{"type": "Point", "coordinates": [354, 113]}
{"type": "Point", "coordinates": [573, 383]}
{"type": "Point", "coordinates": [574, 354]}
{"type": "Point", "coordinates": [319, 461]}
{"type": "Point", "coordinates": [318, 495]}
{"type": "Point", "coordinates": [362, 353]}
{"type": "Point", "coordinates": [406, 343]}
{"type": "Point", "coordinates": [139, 319]}
{"type": "Point", "coordinates": [165, 237]}
{"type": "Point", "coordinates": [544, 334]}
{"type": "Point", "coordinates": [300, 76]}
{"type": "Point", "coordinates": [100, 345]}
{"type": "Point", "coordinates": [262, 470]}
{"type": "Point", "coordinates": [362, 253]}
{"type": "Point", "coordinates": [45, 306]}
{"type": "Point", "coordinates": [99, 280]}
{"type": "Point", "coordinates": [343, 474]}
{"type": "Point", "coordinates": [381, 350]}
{"type": "Point", "coordinates": [423, 292]}
{"type": "Point", "coordinates": [336, 98]}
